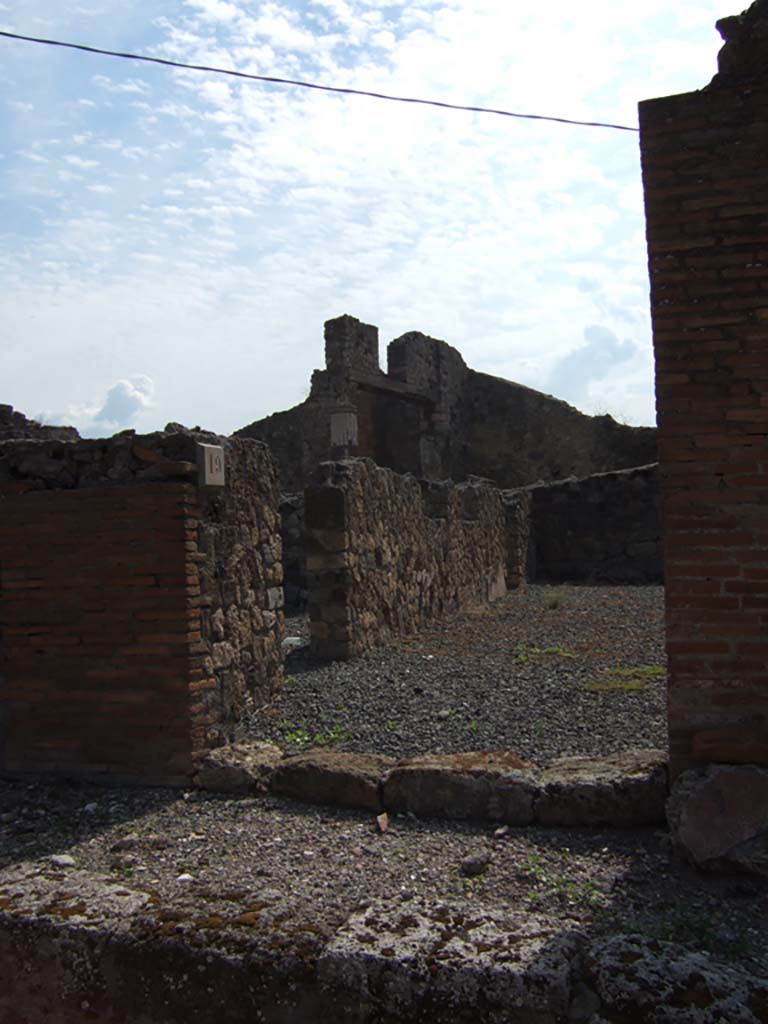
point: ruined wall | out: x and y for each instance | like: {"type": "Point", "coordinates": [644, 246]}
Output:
{"type": "Point", "coordinates": [95, 637]}
{"type": "Point", "coordinates": [139, 613]}
{"type": "Point", "coordinates": [706, 196]}
{"type": "Point", "coordinates": [514, 436]}
{"type": "Point", "coordinates": [604, 528]}
{"type": "Point", "coordinates": [294, 555]}
{"type": "Point", "coordinates": [385, 553]}
{"type": "Point", "coordinates": [517, 529]}
{"type": "Point", "coordinates": [14, 424]}
{"type": "Point", "coordinates": [432, 416]}
{"type": "Point", "coordinates": [241, 580]}
{"type": "Point", "coordinates": [284, 433]}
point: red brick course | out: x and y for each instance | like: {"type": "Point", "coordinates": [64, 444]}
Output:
{"type": "Point", "coordinates": [96, 631]}
{"type": "Point", "coordinates": [706, 193]}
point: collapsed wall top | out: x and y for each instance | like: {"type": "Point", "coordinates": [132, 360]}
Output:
{"type": "Point", "coordinates": [431, 415]}
{"type": "Point", "coordinates": [745, 53]}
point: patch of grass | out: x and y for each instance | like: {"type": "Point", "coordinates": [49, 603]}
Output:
{"type": "Point", "coordinates": [560, 888]}
{"type": "Point", "coordinates": [472, 726]}
{"type": "Point", "coordinates": [624, 680]}
{"type": "Point", "coordinates": [521, 654]}
{"type": "Point", "coordinates": [557, 599]}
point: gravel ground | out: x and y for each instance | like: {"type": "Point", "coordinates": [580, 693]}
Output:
{"type": "Point", "coordinates": [208, 860]}
{"type": "Point", "coordinates": [294, 873]}
{"type": "Point", "coordinates": [545, 672]}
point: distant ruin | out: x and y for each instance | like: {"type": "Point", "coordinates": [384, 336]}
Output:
{"type": "Point", "coordinates": [432, 416]}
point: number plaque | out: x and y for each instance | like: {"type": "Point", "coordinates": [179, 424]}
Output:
{"type": "Point", "coordinates": [210, 465]}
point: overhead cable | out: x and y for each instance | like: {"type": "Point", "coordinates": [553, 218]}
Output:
{"type": "Point", "coordinates": [313, 85]}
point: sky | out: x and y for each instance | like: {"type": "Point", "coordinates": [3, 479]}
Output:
{"type": "Point", "coordinates": [171, 242]}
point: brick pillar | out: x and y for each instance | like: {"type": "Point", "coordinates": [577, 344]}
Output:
{"type": "Point", "coordinates": [705, 173]}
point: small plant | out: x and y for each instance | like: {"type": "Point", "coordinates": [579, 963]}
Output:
{"type": "Point", "coordinates": [335, 734]}
{"type": "Point", "coordinates": [389, 725]}
{"type": "Point", "coordinates": [624, 680]}
{"type": "Point", "coordinates": [295, 735]}
{"type": "Point", "coordinates": [533, 865]}
{"type": "Point", "coordinates": [472, 726]}
{"type": "Point", "coordinates": [557, 599]}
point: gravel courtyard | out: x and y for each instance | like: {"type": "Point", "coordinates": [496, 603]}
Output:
{"type": "Point", "coordinates": [545, 672]}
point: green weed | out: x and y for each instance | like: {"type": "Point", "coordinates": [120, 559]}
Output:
{"type": "Point", "coordinates": [522, 654]}
{"type": "Point", "coordinates": [335, 734]}
{"type": "Point", "coordinates": [624, 680]}
{"type": "Point", "coordinates": [296, 737]}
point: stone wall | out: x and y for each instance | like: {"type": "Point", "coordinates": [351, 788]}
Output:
{"type": "Point", "coordinates": [434, 417]}
{"type": "Point", "coordinates": [385, 553]}
{"type": "Point", "coordinates": [294, 555]}
{"type": "Point", "coordinates": [514, 435]}
{"type": "Point", "coordinates": [14, 424]}
{"type": "Point", "coordinates": [706, 195]}
{"type": "Point", "coordinates": [241, 579]}
{"type": "Point", "coordinates": [517, 523]}
{"type": "Point", "coordinates": [139, 612]}
{"type": "Point", "coordinates": [604, 528]}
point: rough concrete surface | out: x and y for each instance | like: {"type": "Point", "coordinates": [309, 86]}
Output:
{"type": "Point", "coordinates": [158, 907]}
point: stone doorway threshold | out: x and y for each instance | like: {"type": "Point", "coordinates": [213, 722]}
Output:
{"type": "Point", "coordinates": [620, 790]}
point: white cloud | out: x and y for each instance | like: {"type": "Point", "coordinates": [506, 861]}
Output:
{"type": "Point", "coordinates": [124, 401]}
{"type": "Point", "coordinates": [241, 215]}
{"type": "Point", "coordinates": [78, 161]}
{"type": "Point", "coordinates": [132, 85]}
{"type": "Point", "coordinates": [215, 10]}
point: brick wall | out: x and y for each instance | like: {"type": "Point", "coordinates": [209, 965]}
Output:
{"type": "Point", "coordinates": [99, 606]}
{"type": "Point", "coordinates": [140, 614]}
{"type": "Point", "coordinates": [385, 553]}
{"type": "Point", "coordinates": [705, 173]}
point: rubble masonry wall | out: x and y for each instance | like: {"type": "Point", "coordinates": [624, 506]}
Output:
{"type": "Point", "coordinates": [385, 553]}
{"type": "Point", "coordinates": [604, 528]}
